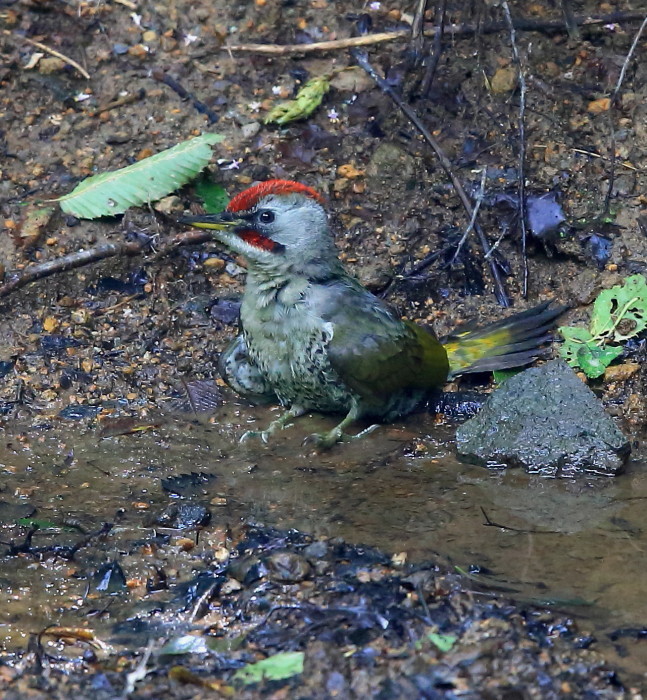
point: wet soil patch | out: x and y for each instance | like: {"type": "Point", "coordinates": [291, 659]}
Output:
{"type": "Point", "coordinates": [363, 624]}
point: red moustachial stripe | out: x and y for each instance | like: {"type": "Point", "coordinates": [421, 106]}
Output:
{"type": "Point", "coordinates": [260, 241]}
{"type": "Point", "coordinates": [248, 198]}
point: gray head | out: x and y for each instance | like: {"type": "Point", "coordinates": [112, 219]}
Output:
{"type": "Point", "coordinates": [275, 224]}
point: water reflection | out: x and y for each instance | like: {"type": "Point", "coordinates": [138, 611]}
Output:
{"type": "Point", "coordinates": [576, 544]}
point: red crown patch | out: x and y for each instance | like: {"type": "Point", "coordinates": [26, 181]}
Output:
{"type": "Point", "coordinates": [248, 198]}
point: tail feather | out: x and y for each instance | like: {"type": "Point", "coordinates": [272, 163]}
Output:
{"type": "Point", "coordinates": [511, 342]}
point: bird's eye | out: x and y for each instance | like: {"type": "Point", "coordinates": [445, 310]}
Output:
{"type": "Point", "coordinates": [266, 217]}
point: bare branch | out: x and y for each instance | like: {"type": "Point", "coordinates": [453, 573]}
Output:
{"type": "Point", "coordinates": [363, 62]}
{"type": "Point", "coordinates": [522, 145]}
{"type": "Point", "coordinates": [458, 30]}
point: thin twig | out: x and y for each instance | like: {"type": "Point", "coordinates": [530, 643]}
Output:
{"type": "Point", "coordinates": [163, 77]}
{"type": "Point", "coordinates": [457, 30]}
{"type": "Point", "coordinates": [522, 146]}
{"type": "Point", "coordinates": [491, 523]}
{"type": "Point", "coordinates": [140, 671]}
{"type": "Point", "coordinates": [416, 269]}
{"type": "Point", "coordinates": [612, 104]}
{"type": "Point", "coordinates": [317, 46]}
{"type": "Point", "coordinates": [363, 62]}
{"type": "Point", "coordinates": [477, 205]}
{"type": "Point", "coordinates": [203, 600]}
{"type": "Point", "coordinates": [437, 48]}
{"type": "Point", "coordinates": [624, 164]}
{"type": "Point", "coordinates": [496, 244]}
{"type": "Point", "coordinates": [52, 52]}
{"type": "Point", "coordinates": [119, 102]}
{"type": "Point", "coordinates": [101, 252]}
{"type": "Point", "coordinates": [418, 21]}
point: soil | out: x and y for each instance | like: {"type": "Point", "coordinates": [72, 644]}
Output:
{"type": "Point", "coordinates": [93, 358]}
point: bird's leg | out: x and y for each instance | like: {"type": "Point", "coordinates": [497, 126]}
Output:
{"type": "Point", "coordinates": [326, 440]}
{"type": "Point", "coordinates": [279, 424]}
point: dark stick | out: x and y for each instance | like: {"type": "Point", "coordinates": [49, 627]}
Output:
{"type": "Point", "coordinates": [437, 48]}
{"type": "Point", "coordinates": [100, 252]}
{"type": "Point", "coordinates": [420, 266]}
{"type": "Point", "coordinates": [159, 75]}
{"type": "Point", "coordinates": [477, 205]}
{"type": "Point", "coordinates": [569, 20]}
{"type": "Point", "coordinates": [491, 523]}
{"type": "Point", "coordinates": [522, 146]}
{"type": "Point", "coordinates": [612, 103]}
{"type": "Point", "coordinates": [418, 22]}
{"type": "Point", "coordinates": [362, 60]}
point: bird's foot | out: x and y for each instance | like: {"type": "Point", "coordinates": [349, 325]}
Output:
{"type": "Point", "coordinates": [274, 427]}
{"type": "Point", "coordinates": [324, 441]}
{"type": "Point", "coordinates": [263, 435]}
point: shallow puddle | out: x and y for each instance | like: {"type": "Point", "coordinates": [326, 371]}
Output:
{"type": "Point", "coordinates": [576, 545]}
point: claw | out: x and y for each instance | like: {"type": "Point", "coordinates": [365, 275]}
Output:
{"type": "Point", "coordinates": [324, 441]}
{"type": "Point", "coordinates": [273, 427]}
{"type": "Point", "coordinates": [263, 435]}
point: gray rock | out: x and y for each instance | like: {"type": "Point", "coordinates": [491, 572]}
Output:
{"type": "Point", "coordinates": [547, 421]}
{"type": "Point", "coordinates": [250, 130]}
{"type": "Point", "coordinates": [185, 516]}
{"type": "Point", "coordinates": [390, 163]}
{"type": "Point", "coordinates": [288, 567]}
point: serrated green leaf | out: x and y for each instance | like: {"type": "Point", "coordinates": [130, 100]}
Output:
{"type": "Point", "coordinates": [274, 668]}
{"type": "Point", "coordinates": [213, 195]}
{"type": "Point", "coordinates": [594, 360]}
{"type": "Point", "coordinates": [148, 180]}
{"type": "Point", "coordinates": [303, 105]}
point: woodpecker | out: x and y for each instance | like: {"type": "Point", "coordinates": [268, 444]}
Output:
{"type": "Point", "coordinates": [314, 339]}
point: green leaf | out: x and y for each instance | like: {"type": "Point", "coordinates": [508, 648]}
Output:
{"type": "Point", "coordinates": [594, 360]}
{"type": "Point", "coordinates": [146, 181]}
{"type": "Point", "coordinates": [38, 523]}
{"type": "Point", "coordinates": [214, 196]}
{"type": "Point", "coordinates": [576, 334]}
{"type": "Point", "coordinates": [274, 668]}
{"type": "Point", "coordinates": [500, 375]}
{"type": "Point", "coordinates": [307, 100]}
{"type": "Point", "coordinates": [574, 338]}
{"type": "Point", "coordinates": [444, 642]}
{"type": "Point", "coordinates": [626, 304]}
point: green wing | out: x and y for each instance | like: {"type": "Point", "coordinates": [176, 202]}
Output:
{"type": "Point", "coordinates": [378, 355]}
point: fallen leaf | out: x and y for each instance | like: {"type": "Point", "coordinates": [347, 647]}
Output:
{"type": "Point", "coordinates": [350, 171]}
{"type": "Point", "coordinates": [504, 80]}
{"type": "Point", "coordinates": [599, 106]}
{"type": "Point", "coordinates": [274, 668]}
{"type": "Point", "coordinates": [186, 677]}
{"type": "Point", "coordinates": [33, 225]}
{"type": "Point", "coordinates": [50, 324]}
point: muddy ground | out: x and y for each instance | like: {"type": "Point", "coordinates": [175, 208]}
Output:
{"type": "Point", "coordinates": [128, 338]}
